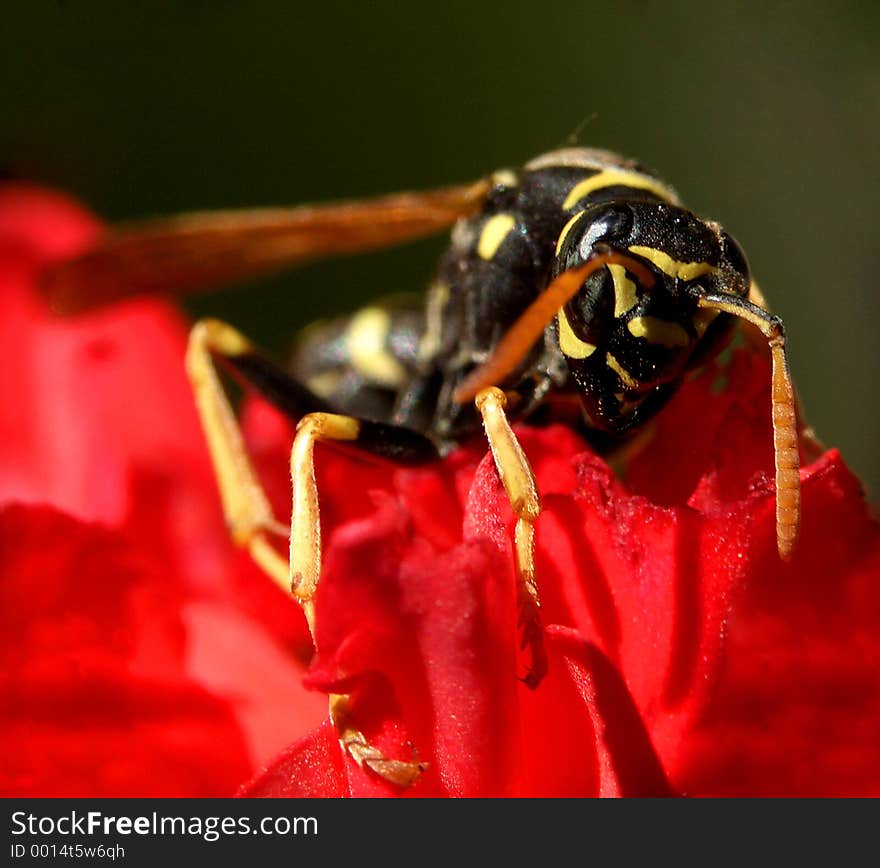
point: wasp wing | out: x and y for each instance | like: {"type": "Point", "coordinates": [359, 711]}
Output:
{"type": "Point", "coordinates": [205, 250]}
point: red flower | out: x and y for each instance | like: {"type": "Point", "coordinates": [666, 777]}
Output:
{"type": "Point", "coordinates": [131, 663]}
{"type": "Point", "coordinates": [685, 658]}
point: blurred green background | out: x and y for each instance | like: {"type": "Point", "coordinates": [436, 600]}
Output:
{"type": "Point", "coordinates": [765, 117]}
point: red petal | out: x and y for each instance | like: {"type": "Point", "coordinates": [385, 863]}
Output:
{"type": "Point", "coordinates": [313, 767]}
{"type": "Point", "coordinates": [650, 586]}
{"type": "Point", "coordinates": [98, 399]}
{"type": "Point", "coordinates": [425, 644]}
{"type": "Point", "coordinates": [95, 698]}
{"type": "Point", "coordinates": [628, 763]}
{"type": "Point", "coordinates": [43, 224]}
{"type": "Point", "coordinates": [718, 425]}
{"type": "Point", "coordinates": [797, 710]}
{"type": "Point", "coordinates": [237, 660]}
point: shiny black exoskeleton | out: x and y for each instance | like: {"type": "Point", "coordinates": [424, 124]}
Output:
{"type": "Point", "coordinates": [622, 344]}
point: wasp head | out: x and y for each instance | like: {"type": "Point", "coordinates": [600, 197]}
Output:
{"type": "Point", "coordinates": [634, 327]}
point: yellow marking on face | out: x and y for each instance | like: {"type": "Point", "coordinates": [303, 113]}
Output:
{"type": "Point", "coordinates": [617, 178]}
{"type": "Point", "coordinates": [626, 377]}
{"type": "Point", "coordinates": [504, 178]}
{"type": "Point", "coordinates": [672, 267]}
{"type": "Point", "coordinates": [438, 298]}
{"type": "Point", "coordinates": [625, 297]}
{"type": "Point", "coordinates": [366, 343]}
{"type": "Point", "coordinates": [494, 233]}
{"type": "Point", "coordinates": [658, 331]}
{"type": "Point", "coordinates": [570, 344]}
{"type": "Point", "coordinates": [566, 229]}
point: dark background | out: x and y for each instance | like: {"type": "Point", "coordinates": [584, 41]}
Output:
{"type": "Point", "coordinates": [763, 116]}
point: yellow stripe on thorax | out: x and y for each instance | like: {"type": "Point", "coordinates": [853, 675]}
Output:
{"type": "Point", "coordinates": [438, 298]}
{"type": "Point", "coordinates": [617, 178]}
{"type": "Point", "coordinates": [493, 234]}
{"type": "Point", "coordinates": [366, 344]}
{"type": "Point", "coordinates": [673, 267]}
{"type": "Point", "coordinates": [570, 344]}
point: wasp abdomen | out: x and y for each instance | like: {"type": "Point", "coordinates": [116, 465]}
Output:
{"type": "Point", "coordinates": [361, 364]}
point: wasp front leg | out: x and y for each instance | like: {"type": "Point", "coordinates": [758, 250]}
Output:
{"type": "Point", "coordinates": [246, 506]}
{"type": "Point", "coordinates": [522, 492]}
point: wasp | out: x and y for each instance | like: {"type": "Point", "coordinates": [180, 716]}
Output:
{"type": "Point", "coordinates": [579, 274]}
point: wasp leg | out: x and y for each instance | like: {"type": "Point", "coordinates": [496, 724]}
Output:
{"type": "Point", "coordinates": [399, 772]}
{"type": "Point", "coordinates": [305, 551]}
{"type": "Point", "coordinates": [246, 506]}
{"type": "Point", "coordinates": [519, 483]}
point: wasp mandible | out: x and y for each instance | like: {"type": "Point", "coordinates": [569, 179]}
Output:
{"type": "Point", "coordinates": [579, 273]}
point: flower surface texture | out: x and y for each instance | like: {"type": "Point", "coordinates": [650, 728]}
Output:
{"type": "Point", "coordinates": [144, 655]}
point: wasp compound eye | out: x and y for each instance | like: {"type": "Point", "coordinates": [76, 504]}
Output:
{"type": "Point", "coordinates": [601, 227]}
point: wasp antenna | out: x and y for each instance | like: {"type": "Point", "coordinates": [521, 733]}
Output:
{"type": "Point", "coordinates": [523, 334]}
{"type": "Point", "coordinates": [571, 140]}
{"type": "Point", "coordinates": [785, 437]}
